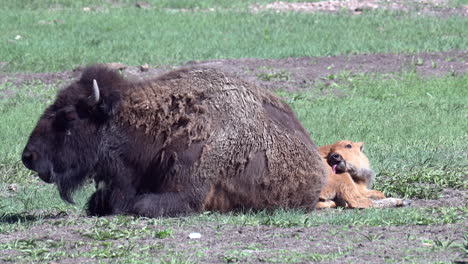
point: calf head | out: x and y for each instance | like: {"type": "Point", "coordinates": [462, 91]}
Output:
{"type": "Point", "coordinates": [347, 151]}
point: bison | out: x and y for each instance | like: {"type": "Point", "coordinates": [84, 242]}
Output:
{"type": "Point", "coordinates": [191, 140]}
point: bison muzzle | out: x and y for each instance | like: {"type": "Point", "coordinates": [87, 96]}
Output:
{"type": "Point", "coordinates": [188, 141]}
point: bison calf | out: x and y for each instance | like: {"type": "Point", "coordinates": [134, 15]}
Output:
{"type": "Point", "coordinates": [187, 141]}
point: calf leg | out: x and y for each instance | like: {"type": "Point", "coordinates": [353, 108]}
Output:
{"type": "Point", "coordinates": [325, 204]}
{"type": "Point", "coordinates": [374, 194]}
{"type": "Point", "coordinates": [349, 192]}
{"type": "Point", "coordinates": [357, 202]}
{"type": "Point", "coordinates": [389, 202]}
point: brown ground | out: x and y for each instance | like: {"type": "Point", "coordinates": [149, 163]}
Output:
{"type": "Point", "coordinates": [262, 244]}
{"type": "Point", "coordinates": [227, 243]}
{"type": "Point", "coordinates": [291, 73]}
{"type": "Point", "coordinates": [441, 8]}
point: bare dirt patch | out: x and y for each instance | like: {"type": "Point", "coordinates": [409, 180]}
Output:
{"type": "Point", "coordinates": [449, 197]}
{"type": "Point", "coordinates": [302, 73]}
{"type": "Point", "coordinates": [290, 74]}
{"type": "Point", "coordinates": [434, 7]}
{"type": "Point", "coordinates": [255, 244]}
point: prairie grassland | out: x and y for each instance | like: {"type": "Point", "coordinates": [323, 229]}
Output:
{"type": "Point", "coordinates": [46, 39]}
{"type": "Point", "coordinates": [414, 128]}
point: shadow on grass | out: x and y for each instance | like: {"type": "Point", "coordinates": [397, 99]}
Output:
{"type": "Point", "coordinates": [25, 217]}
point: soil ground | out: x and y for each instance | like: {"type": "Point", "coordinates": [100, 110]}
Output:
{"type": "Point", "coordinates": [263, 244]}
{"type": "Point", "coordinates": [268, 244]}
{"type": "Point", "coordinates": [291, 73]}
{"type": "Point", "coordinates": [440, 8]}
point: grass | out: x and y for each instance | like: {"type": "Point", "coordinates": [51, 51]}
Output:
{"type": "Point", "coordinates": [413, 136]}
{"type": "Point", "coordinates": [458, 3]}
{"type": "Point", "coordinates": [270, 74]}
{"type": "Point", "coordinates": [412, 129]}
{"type": "Point", "coordinates": [175, 4]}
{"type": "Point", "coordinates": [169, 4]}
{"type": "Point", "coordinates": [412, 126]}
{"type": "Point", "coordinates": [137, 239]}
{"type": "Point", "coordinates": [19, 111]}
{"type": "Point", "coordinates": [372, 217]}
{"type": "Point", "coordinates": [49, 40]}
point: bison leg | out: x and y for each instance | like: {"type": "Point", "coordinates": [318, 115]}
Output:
{"type": "Point", "coordinates": [164, 204]}
{"type": "Point", "coordinates": [106, 201]}
{"type": "Point", "coordinates": [99, 203]}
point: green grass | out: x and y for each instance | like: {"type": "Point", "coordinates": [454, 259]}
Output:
{"type": "Point", "coordinates": [412, 127]}
{"type": "Point", "coordinates": [19, 110]}
{"type": "Point", "coordinates": [459, 3]}
{"type": "Point", "coordinates": [158, 37]}
{"type": "Point", "coordinates": [369, 217]}
{"type": "Point", "coordinates": [414, 137]}
{"type": "Point", "coordinates": [138, 239]}
{"type": "Point", "coordinates": [175, 4]}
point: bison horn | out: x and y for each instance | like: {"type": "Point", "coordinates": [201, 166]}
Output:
{"type": "Point", "coordinates": [95, 92]}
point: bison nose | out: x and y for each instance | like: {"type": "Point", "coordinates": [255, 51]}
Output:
{"type": "Point", "coordinates": [28, 158]}
{"type": "Point", "coordinates": [336, 157]}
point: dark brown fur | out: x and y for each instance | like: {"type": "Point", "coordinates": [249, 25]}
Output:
{"type": "Point", "coordinates": [188, 141]}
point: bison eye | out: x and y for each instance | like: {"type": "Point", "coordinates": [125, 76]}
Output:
{"type": "Point", "coordinates": [70, 116]}
{"type": "Point", "coordinates": [64, 118]}
{"type": "Point", "coordinates": [348, 146]}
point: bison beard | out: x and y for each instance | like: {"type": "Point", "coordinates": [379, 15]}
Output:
{"type": "Point", "coordinates": [187, 141]}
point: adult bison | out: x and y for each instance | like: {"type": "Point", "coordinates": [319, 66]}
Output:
{"type": "Point", "coordinates": [187, 141]}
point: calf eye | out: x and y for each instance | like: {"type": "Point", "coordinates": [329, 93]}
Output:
{"type": "Point", "coordinates": [348, 146]}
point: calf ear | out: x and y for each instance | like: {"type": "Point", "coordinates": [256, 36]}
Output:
{"type": "Point", "coordinates": [360, 145]}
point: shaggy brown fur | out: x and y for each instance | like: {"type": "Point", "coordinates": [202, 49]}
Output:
{"type": "Point", "coordinates": [349, 179]}
{"type": "Point", "coordinates": [188, 141]}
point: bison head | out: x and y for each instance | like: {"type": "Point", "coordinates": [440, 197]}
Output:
{"type": "Point", "coordinates": [63, 147]}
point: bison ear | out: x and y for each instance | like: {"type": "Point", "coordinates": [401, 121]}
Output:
{"type": "Point", "coordinates": [98, 105]}
{"type": "Point", "coordinates": [105, 108]}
